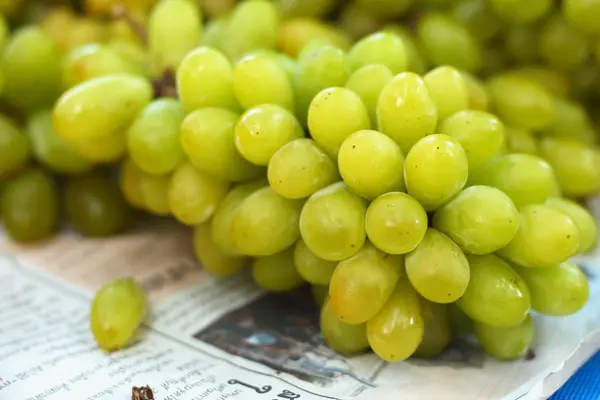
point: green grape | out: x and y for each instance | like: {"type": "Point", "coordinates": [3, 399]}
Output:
{"type": "Point", "coordinates": [494, 62]}
{"type": "Point", "coordinates": [448, 90]}
{"type": "Point", "coordinates": [521, 42]}
{"type": "Point", "coordinates": [205, 79]}
{"type": "Point", "coordinates": [340, 336]}
{"type": "Point", "coordinates": [312, 268]}
{"type": "Point", "coordinates": [362, 284]}
{"type": "Point", "coordinates": [447, 42]}
{"type": "Point", "coordinates": [216, 8]}
{"type": "Point", "coordinates": [174, 29]}
{"type": "Point", "coordinates": [554, 81]}
{"type": "Point", "coordinates": [84, 31]}
{"type": "Point", "coordinates": [505, 343]}
{"type": "Point", "coordinates": [91, 61]}
{"type": "Point", "coordinates": [332, 222]}
{"type": "Point", "coordinates": [368, 82]}
{"type": "Point", "coordinates": [379, 48]}
{"type": "Point", "coordinates": [211, 257]}
{"type": "Point", "coordinates": [134, 54]}
{"type": "Point", "coordinates": [584, 220]}
{"type": "Point", "coordinates": [300, 168]}
{"type": "Point", "coordinates": [480, 219]}
{"type": "Point", "coordinates": [117, 312]}
{"type": "Point", "coordinates": [154, 190]}
{"type": "Point", "coordinates": [405, 110]}
{"type": "Point", "coordinates": [395, 223]}
{"type": "Point", "coordinates": [101, 107]}
{"type": "Point", "coordinates": [397, 331]}
{"type": "Point", "coordinates": [546, 237]}
{"type": "Point", "coordinates": [244, 34]}
{"type": "Point", "coordinates": [496, 294]}
{"type": "Point", "coordinates": [437, 268]}
{"type": "Point", "coordinates": [416, 60]}
{"type": "Point", "coordinates": [295, 33]}
{"type": "Point", "coordinates": [479, 17]}
{"type": "Point", "coordinates": [4, 31]}
{"type": "Point", "coordinates": [325, 67]}
{"type": "Point", "coordinates": [306, 8]}
{"type": "Point", "coordinates": [363, 175]}
{"type": "Point", "coordinates": [264, 129]}
{"type": "Point", "coordinates": [130, 179]}
{"type": "Point", "coordinates": [15, 147]}
{"type": "Point", "coordinates": [320, 294]}
{"type": "Point", "coordinates": [259, 79]}
{"type": "Point", "coordinates": [387, 9]}
{"type": "Point", "coordinates": [479, 133]}
{"type": "Point", "coordinates": [265, 223]}
{"type": "Point", "coordinates": [104, 149]}
{"type": "Point", "coordinates": [436, 169]}
{"type": "Point", "coordinates": [194, 195]}
{"type": "Point", "coordinates": [208, 139]}
{"type": "Point", "coordinates": [153, 138]}
{"type": "Point", "coordinates": [575, 165]}
{"type": "Point", "coordinates": [525, 178]}
{"type": "Point", "coordinates": [520, 141]}
{"type": "Point", "coordinates": [214, 31]}
{"type": "Point", "coordinates": [31, 66]}
{"type": "Point", "coordinates": [559, 290]}
{"type": "Point", "coordinates": [276, 272]}
{"type": "Point", "coordinates": [521, 12]}
{"type": "Point", "coordinates": [561, 45]}
{"type": "Point", "coordinates": [521, 102]}
{"type": "Point", "coordinates": [570, 121]}
{"type": "Point", "coordinates": [96, 206]}
{"type": "Point", "coordinates": [438, 329]}
{"type": "Point", "coordinates": [357, 21]}
{"type": "Point", "coordinates": [478, 96]}
{"type": "Point", "coordinates": [29, 206]}
{"type": "Point", "coordinates": [285, 62]}
{"type": "Point", "coordinates": [334, 114]}
{"type": "Point", "coordinates": [583, 14]}
{"type": "Point", "coordinates": [221, 220]}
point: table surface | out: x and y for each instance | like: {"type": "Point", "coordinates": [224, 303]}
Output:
{"type": "Point", "coordinates": [584, 385]}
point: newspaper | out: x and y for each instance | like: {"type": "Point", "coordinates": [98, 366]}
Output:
{"type": "Point", "coordinates": [217, 339]}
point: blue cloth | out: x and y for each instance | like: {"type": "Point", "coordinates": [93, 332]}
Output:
{"type": "Point", "coordinates": [584, 385]}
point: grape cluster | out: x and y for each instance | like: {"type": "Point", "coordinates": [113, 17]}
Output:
{"type": "Point", "coordinates": [421, 164]}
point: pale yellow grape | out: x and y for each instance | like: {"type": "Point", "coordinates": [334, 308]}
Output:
{"type": "Point", "coordinates": [295, 33]}
{"type": "Point", "coordinates": [259, 79]}
{"type": "Point", "coordinates": [154, 190]}
{"type": "Point", "coordinates": [368, 82]}
{"type": "Point", "coordinates": [332, 222]}
{"type": "Point", "coordinates": [448, 90]}
{"type": "Point", "coordinates": [480, 219]}
{"type": "Point", "coordinates": [105, 149]}
{"type": "Point", "coordinates": [584, 220]}
{"type": "Point", "coordinates": [479, 133]}
{"type": "Point", "coordinates": [479, 98]}
{"type": "Point", "coordinates": [208, 139]}
{"type": "Point", "coordinates": [371, 164]}
{"type": "Point", "coordinates": [334, 114]}
{"type": "Point", "coordinates": [311, 267]}
{"type": "Point", "coordinates": [265, 223]}
{"type": "Point", "coordinates": [546, 237]}
{"type": "Point", "coordinates": [264, 129]}
{"type": "Point", "coordinates": [496, 294]}
{"type": "Point", "coordinates": [438, 329]}
{"type": "Point", "coordinates": [379, 48]}
{"type": "Point", "coordinates": [505, 343]}
{"type": "Point", "coordinates": [435, 170]}
{"type": "Point", "coordinates": [520, 141]}
{"type": "Point", "coordinates": [405, 110]}
{"type": "Point", "coordinates": [285, 62]}
{"type": "Point", "coordinates": [525, 178]}
{"type": "Point", "coordinates": [396, 332]}
{"type": "Point", "coordinates": [205, 79]}
{"type": "Point", "coordinates": [361, 284]}
{"type": "Point", "coordinates": [276, 272]}
{"type": "Point", "coordinates": [130, 179]}
{"type": "Point", "coordinates": [211, 257]}
{"type": "Point", "coordinates": [300, 168]}
{"type": "Point", "coordinates": [437, 268]}
{"type": "Point", "coordinates": [340, 336]}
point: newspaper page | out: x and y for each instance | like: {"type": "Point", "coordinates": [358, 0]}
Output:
{"type": "Point", "coordinates": [216, 339]}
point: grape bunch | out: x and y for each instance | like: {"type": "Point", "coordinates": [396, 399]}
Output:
{"type": "Point", "coordinates": [423, 165]}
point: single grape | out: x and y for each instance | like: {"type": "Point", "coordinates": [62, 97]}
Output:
{"type": "Point", "coordinates": [153, 138]}
{"type": "Point", "coordinates": [277, 273]}
{"type": "Point", "coordinates": [478, 96]}
{"type": "Point", "coordinates": [208, 139]}
{"type": "Point", "coordinates": [29, 206]}
{"type": "Point", "coordinates": [496, 294]}
{"type": "Point", "coordinates": [437, 268]}
{"type": "Point", "coordinates": [397, 331]}
{"type": "Point", "coordinates": [295, 33]}
{"type": "Point", "coordinates": [479, 17]}
{"type": "Point", "coordinates": [300, 168]}
{"type": "Point", "coordinates": [214, 31]}
{"type": "Point", "coordinates": [448, 90]}
{"type": "Point", "coordinates": [362, 284]}
{"type": "Point", "coordinates": [383, 48]}
{"type": "Point", "coordinates": [285, 62]}
{"type": "Point", "coordinates": [583, 14]}
{"type": "Point", "coordinates": [332, 222]}
{"type": "Point", "coordinates": [438, 329]}
{"type": "Point", "coordinates": [306, 8]}
{"type": "Point", "coordinates": [520, 141]}
{"type": "Point", "coordinates": [570, 121]}
{"type": "Point", "coordinates": [264, 129]}
{"type": "Point", "coordinates": [15, 147]}
{"type": "Point", "coordinates": [334, 114]}
{"type": "Point", "coordinates": [357, 21]}
{"type": "Point", "coordinates": [154, 190]}
{"type": "Point", "coordinates": [414, 51]}
{"type": "Point", "coordinates": [505, 343]}
{"type": "Point", "coordinates": [130, 180]}
{"type": "Point", "coordinates": [406, 111]}
{"type": "Point", "coordinates": [311, 267]}
{"type": "Point", "coordinates": [368, 82]}
{"type": "Point", "coordinates": [340, 336]}
{"type": "Point", "coordinates": [216, 8]}
{"type": "Point", "coordinates": [395, 223]}
{"type": "Point", "coordinates": [117, 312]}
{"type": "Point", "coordinates": [211, 257]}
{"type": "Point", "coordinates": [436, 169]}
{"type": "Point", "coordinates": [561, 45]}
{"type": "Point", "coordinates": [105, 149]}
{"type": "Point", "coordinates": [554, 81]}
{"type": "Point", "coordinates": [584, 220]}
{"type": "Point", "coordinates": [519, 12]}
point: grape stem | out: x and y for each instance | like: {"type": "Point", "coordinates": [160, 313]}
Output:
{"type": "Point", "coordinates": [120, 11]}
